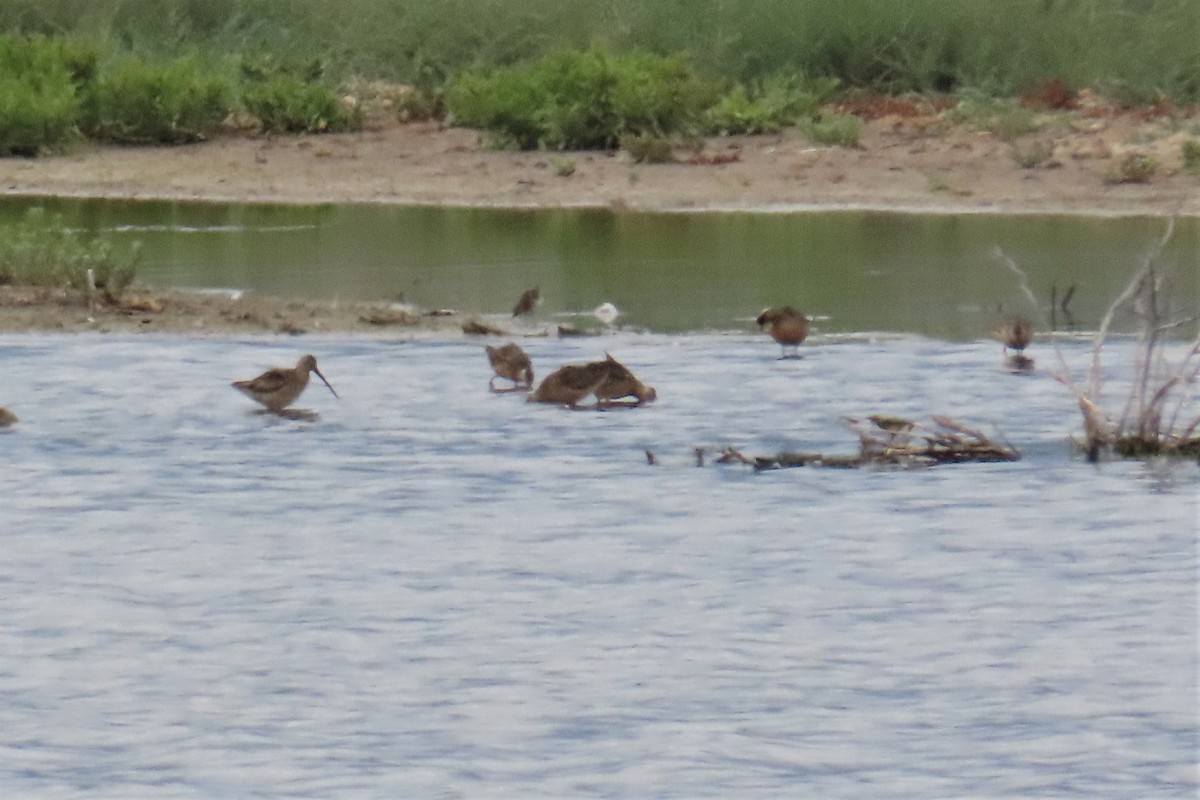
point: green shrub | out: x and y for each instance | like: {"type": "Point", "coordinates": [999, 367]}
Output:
{"type": "Point", "coordinates": [1035, 155]}
{"type": "Point", "coordinates": [767, 106]}
{"type": "Point", "coordinates": [40, 250]}
{"type": "Point", "coordinates": [647, 148]}
{"type": "Point", "coordinates": [832, 129]}
{"type": "Point", "coordinates": [1191, 156]}
{"type": "Point", "coordinates": [580, 100]}
{"type": "Point", "coordinates": [1001, 116]}
{"type": "Point", "coordinates": [38, 101]}
{"type": "Point", "coordinates": [287, 104]}
{"type": "Point", "coordinates": [1133, 168]}
{"type": "Point", "coordinates": [141, 103]}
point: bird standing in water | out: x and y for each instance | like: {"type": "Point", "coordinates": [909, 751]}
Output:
{"type": "Point", "coordinates": [529, 300]}
{"type": "Point", "coordinates": [787, 326]}
{"type": "Point", "coordinates": [278, 388]}
{"type": "Point", "coordinates": [1016, 336]}
{"type": "Point", "coordinates": [7, 418]}
{"type": "Point", "coordinates": [512, 363]}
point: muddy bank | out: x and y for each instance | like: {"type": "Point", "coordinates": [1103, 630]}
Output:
{"type": "Point", "coordinates": [906, 163]}
{"type": "Point", "coordinates": [25, 309]}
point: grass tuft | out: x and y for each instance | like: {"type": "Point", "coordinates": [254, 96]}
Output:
{"type": "Point", "coordinates": [841, 130]}
{"type": "Point", "coordinates": [1132, 168]}
{"type": "Point", "coordinates": [769, 105]}
{"type": "Point", "coordinates": [40, 250]}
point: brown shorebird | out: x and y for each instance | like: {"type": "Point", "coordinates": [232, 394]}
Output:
{"type": "Point", "coordinates": [7, 418]}
{"type": "Point", "coordinates": [608, 380]}
{"type": "Point", "coordinates": [512, 363]}
{"type": "Point", "coordinates": [278, 388]}
{"type": "Point", "coordinates": [787, 326]}
{"type": "Point", "coordinates": [1016, 335]}
{"type": "Point", "coordinates": [529, 300]}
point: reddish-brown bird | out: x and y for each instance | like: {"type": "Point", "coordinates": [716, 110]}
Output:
{"type": "Point", "coordinates": [608, 380]}
{"type": "Point", "coordinates": [786, 325]}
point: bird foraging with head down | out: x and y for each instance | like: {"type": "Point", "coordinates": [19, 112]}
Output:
{"type": "Point", "coordinates": [511, 363]}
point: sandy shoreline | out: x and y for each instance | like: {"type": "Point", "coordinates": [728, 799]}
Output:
{"type": "Point", "coordinates": [903, 165]}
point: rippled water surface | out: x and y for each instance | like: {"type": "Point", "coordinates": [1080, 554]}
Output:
{"type": "Point", "coordinates": [433, 591]}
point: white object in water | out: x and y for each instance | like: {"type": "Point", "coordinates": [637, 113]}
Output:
{"type": "Point", "coordinates": [606, 313]}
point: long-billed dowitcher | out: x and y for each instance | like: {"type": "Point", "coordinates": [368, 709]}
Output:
{"type": "Point", "coordinates": [278, 388]}
{"type": "Point", "coordinates": [7, 418]}
{"type": "Point", "coordinates": [528, 301]}
{"type": "Point", "coordinates": [1016, 335]}
{"type": "Point", "coordinates": [786, 325]}
{"type": "Point", "coordinates": [608, 381]}
{"type": "Point", "coordinates": [512, 363]}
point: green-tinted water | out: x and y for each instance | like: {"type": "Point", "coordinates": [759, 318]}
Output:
{"type": "Point", "coordinates": [931, 274]}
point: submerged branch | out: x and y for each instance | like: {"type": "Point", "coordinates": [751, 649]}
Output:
{"type": "Point", "coordinates": [890, 442]}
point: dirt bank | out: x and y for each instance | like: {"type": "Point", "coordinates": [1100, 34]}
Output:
{"type": "Point", "coordinates": [916, 162]}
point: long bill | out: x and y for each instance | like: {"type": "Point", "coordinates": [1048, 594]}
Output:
{"type": "Point", "coordinates": [327, 383]}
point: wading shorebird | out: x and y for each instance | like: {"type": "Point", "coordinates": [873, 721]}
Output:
{"type": "Point", "coordinates": [7, 418]}
{"type": "Point", "coordinates": [787, 326]}
{"type": "Point", "coordinates": [1016, 336]}
{"type": "Point", "coordinates": [608, 380]}
{"type": "Point", "coordinates": [512, 363]}
{"type": "Point", "coordinates": [278, 388]}
{"type": "Point", "coordinates": [529, 300]}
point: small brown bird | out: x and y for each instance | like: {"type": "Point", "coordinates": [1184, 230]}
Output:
{"type": "Point", "coordinates": [512, 363]}
{"type": "Point", "coordinates": [787, 326]}
{"type": "Point", "coordinates": [608, 380]}
{"type": "Point", "coordinates": [7, 418]}
{"type": "Point", "coordinates": [529, 300]}
{"type": "Point", "coordinates": [1016, 335]}
{"type": "Point", "coordinates": [278, 388]}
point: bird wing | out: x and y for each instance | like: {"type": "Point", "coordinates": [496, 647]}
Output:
{"type": "Point", "coordinates": [270, 381]}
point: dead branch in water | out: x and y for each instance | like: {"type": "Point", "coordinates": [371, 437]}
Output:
{"type": "Point", "coordinates": [886, 441]}
{"type": "Point", "coordinates": [1159, 393]}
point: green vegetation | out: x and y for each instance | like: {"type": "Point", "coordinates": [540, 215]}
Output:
{"type": "Point", "coordinates": [562, 74]}
{"type": "Point", "coordinates": [1191, 156]}
{"type": "Point", "coordinates": [768, 105]}
{"type": "Point", "coordinates": [287, 104]}
{"type": "Point", "coordinates": [38, 103]}
{"type": "Point", "coordinates": [137, 102]}
{"type": "Point", "coordinates": [577, 100]}
{"type": "Point", "coordinates": [1035, 155]}
{"type": "Point", "coordinates": [1001, 116]}
{"type": "Point", "coordinates": [1134, 48]}
{"type": "Point", "coordinates": [1132, 168]}
{"type": "Point", "coordinates": [40, 250]}
{"type": "Point", "coordinates": [832, 129]}
{"type": "Point", "coordinates": [649, 149]}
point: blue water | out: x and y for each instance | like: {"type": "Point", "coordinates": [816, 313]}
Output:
{"type": "Point", "coordinates": [433, 591]}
